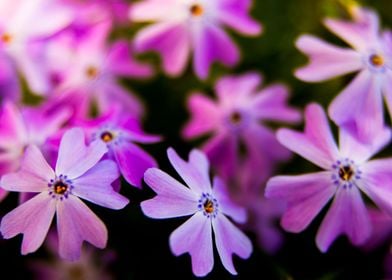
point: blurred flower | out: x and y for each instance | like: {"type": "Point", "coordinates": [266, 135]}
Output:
{"type": "Point", "coordinates": [120, 131]}
{"type": "Point", "coordinates": [77, 174]}
{"type": "Point", "coordinates": [359, 106]}
{"type": "Point", "coordinates": [181, 27]}
{"type": "Point", "coordinates": [9, 82]}
{"type": "Point", "coordinates": [237, 122]}
{"type": "Point", "coordinates": [347, 172]}
{"type": "Point", "coordinates": [208, 208]}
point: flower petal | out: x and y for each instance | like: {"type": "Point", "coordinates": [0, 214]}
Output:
{"type": "Point", "coordinates": [306, 195]}
{"type": "Point", "coordinates": [325, 60]}
{"type": "Point", "coordinates": [230, 240]}
{"type": "Point", "coordinates": [213, 44]}
{"type": "Point", "coordinates": [171, 40]}
{"type": "Point", "coordinates": [360, 106]}
{"type": "Point", "coordinates": [173, 198]}
{"type": "Point", "coordinates": [32, 219]}
{"type": "Point", "coordinates": [195, 237]}
{"type": "Point", "coordinates": [316, 144]}
{"type": "Point", "coordinates": [226, 204]}
{"type": "Point", "coordinates": [133, 162]}
{"type": "Point", "coordinates": [75, 158]}
{"type": "Point", "coordinates": [76, 223]}
{"type": "Point", "coordinates": [348, 214]}
{"type": "Point", "coordinates": [95, 186]}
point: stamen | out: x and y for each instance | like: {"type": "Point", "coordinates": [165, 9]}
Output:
{"type": "Point", "coordinates": [197, 10]}
{"type": "Point", "coordinates": [92, 72]}
{"type": "Point", "coordinates": [208, 206]}
{"type": "Point", "coordinates": [107, 136]}
{"type": "Point", "coordinates": [60, 187]}
{"type": "Point", "coordinates": [376, 60]}
{"type": "Point", "coordinates": [6, 38]}
{"type": "Point", "coordinates": [346, 172]}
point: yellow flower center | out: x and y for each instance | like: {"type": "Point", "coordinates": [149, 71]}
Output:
{"type": "Point", "coordinates": [60, 187]}
{"type": "Point", "coordinates": [107, 136]}
{"type": "Point", "coordinates": [376, 60]}
{"type": "Point", "coordinates": [197, 10]}
{"type": "Point", "coordinates": [346, 173]}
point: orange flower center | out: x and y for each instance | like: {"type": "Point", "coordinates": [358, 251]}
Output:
{"type": "Point", "coordinates": [208, 206]}
{"type": "Point", "coordinates": [92, 72]}
{"type": "Point", "coordinates": [197, 10]}
{"type": "Point", "coordinates": [60, 187]}
{"type": "Point", "coordinates": [376, 60]}
{"type": "Point", "coordinates": [107, 136]}
{"type": "Point", "coordinates": [346, 173]}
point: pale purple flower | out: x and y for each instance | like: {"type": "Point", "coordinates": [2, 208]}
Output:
{"type": "Point", "coordinates": [347, 172]}
{"type": "Point", "coordinates": [24, 25]}
{"type": "Point", "coordinates": [359, 106]}
{"type": "Point", "coordinates": [236, 123]}
{"type": "Point", "coordinates": [182, 28]}
{"type": "Point", "coordinates": [85, 70]}
{"type": "Point", "coordinates": [121, 133]}
{"type": "Point", "coordinates": [9, 82]}
{"type": "Point", "coordinates": [78, 174]}
{"type": "Point", "coordinates": [208, 207]}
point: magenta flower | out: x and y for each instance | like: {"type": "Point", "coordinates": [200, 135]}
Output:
{"type": "Point", "coordinates": [181, 27]}
{"type": "Point", "coordinates": [120, 132]}
{"type": "Point", "coordinates": [88, 69]}
{"type": "Point", "coordinates": [235, 121]}
{"type": "Point", "coordinates": [347, 172]}
{"type": "Point", "coordinates": [208, 207]}
{"type": "Point", "coordinates": [359, 106]}
{"type": "Point", "coordinates": [23, 26]}
{"type": "Point", "coordinates": [78, 174]}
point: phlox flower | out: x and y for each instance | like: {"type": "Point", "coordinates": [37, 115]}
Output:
{"type": "Point", "coordinates": [236, 123]}
{"type": "Point", "coordinates": [183, 27]}
{"type": "Point", "coordinates": [88, 70]}
{"type": "Point", "coordinates": [359, 106]}
{"type": "Point", "coordinates": [78, 174]}
{"type": "Point", "coordinates": [24, 25]}
{"type": "Point", "coordinates": [348, 172]}
{"type": "Point", "coordinates": [121, 133]}
{"type": "Point", "coordinates": [208, 207]}
{"type": "Point", "coordinates": [9, 82]}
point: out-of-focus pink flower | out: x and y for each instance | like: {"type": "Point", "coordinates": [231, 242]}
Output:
{"type": "Point", "coordinates": [9, 81]}
{"type": "Point", "coordinates": [348, 171]}
{"type": "Point", "coordinates": [120, 132]}
{"type": "Point", "coordinates": [359, 106]}
{"type": "Point", "coordinates": [193, 26]}
{"type": "Point", "coordinates": [208, 207]}
{"type": "Point", "coordinates": [237, 124]}
{"type": "Point", "coordinates": [87, 71]}
{"type": "Point", "coordinates": [78, 174]}
{"type": "Point", "coordinates": [24, 25]}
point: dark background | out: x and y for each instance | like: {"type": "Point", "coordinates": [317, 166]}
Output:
{"type": "Point", "coordinates": [141, 244]}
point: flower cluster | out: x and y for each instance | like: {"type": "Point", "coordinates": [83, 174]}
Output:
{"type": "Point", "coordinates": [71, 130]}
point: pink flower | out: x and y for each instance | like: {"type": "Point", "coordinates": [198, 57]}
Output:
{"type": "Point", "coordinates": [359, 106]}
{"type": "Point", "coordinates": [78, 174]}
{"type": "Point", "coordinates": [120, 132]}
{"type": "Point", "coordinates": [208, 207]}
{"type": "Point", "coordinates": [236, 122]}
{"type": "Point", "coordinates": [181, 27]}
{"type": "Point", "coordinates": [348, 171]}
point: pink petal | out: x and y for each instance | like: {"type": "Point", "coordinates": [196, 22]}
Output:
{"type": "Point", "coordinates": [232, 86]}
{"type": "Point", "coordinates": [11, 124]}
{"type": "Point", "coordinates": [387, 89]}
{"type": "Point", "coordinates": [195, 237]}
{"type": "Point", "coordinates": [376, 181]}
{"type": "Point", "coordinates": [316, 144]}
{"type": "Point", "coordinates": [226, 204]}
{"type": "Point", "coordinates": [173, 198]}
{"type": "Point", "coordinates": [230, 240]}
{"type": "Point", "coordinates": [347, 215]}
{"type": "Point", "coordinates": [204, 116]}
{"type": "Point", "coordinates": [326, 60]}
{"type": "Point", "coordinates": [95, 186]}
{"type": "Point", "coordinates": [32, 219]}
{"type": "Point", "coordinates": [360, 105]}
{"type": "Point", "coordinates": [133, 162]}
{"type": "Point", "coordinates": [150, 10]}
{"type": "Point", "coordinates": [76, 223]}
{"type": "Point", "coordinates": [195, 173]}
{"type": "Point", "coordinates": [306, 195]}
{"type": "Point", "coordinates": [75, 158]}
{"type": "Point", "coordinates": [210, 45]}
{"type": "Point", "coordinates": [171, 40]}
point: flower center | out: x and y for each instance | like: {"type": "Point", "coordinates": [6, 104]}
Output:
{"type": "Point", "coordinates": [107, 136]}
{"type": "Point", "coordinates": [6, 38]}
{"type": "Point", "coordinates": [197, 10]}
{"type": "Point", "coordinates": [235, 117]}
{"type": "Point", "coordinates": [209, 205]}
{"type": "Point", "coordinates": [376, 60]}
{"type": "Point", "coordinates": [92, 72]}
{"type": "Point", "coordinates": [60, 187]}
{"type": "Point", "coordinates": [345, 173]}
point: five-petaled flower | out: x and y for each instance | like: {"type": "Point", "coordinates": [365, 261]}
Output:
{"type": "Point", "coordinates": [208, 207]}
{"type": "Point", "coordinates": [347, 172]}
{"type": "Point", "coordinates": [78, 173]}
